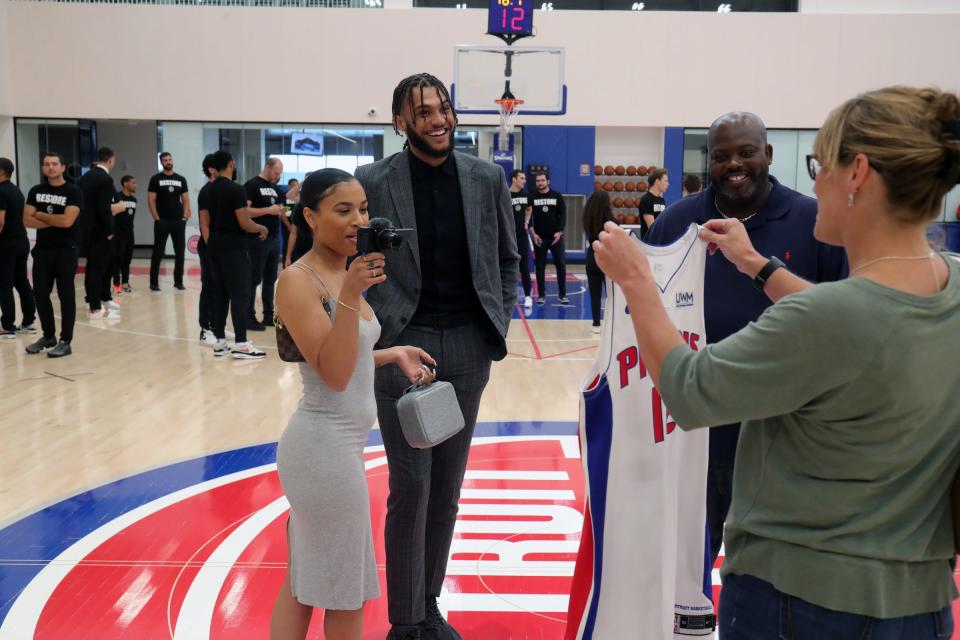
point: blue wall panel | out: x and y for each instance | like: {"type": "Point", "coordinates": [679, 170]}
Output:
{"type": "Point", "coordinates": [673, 162]}
{"type": "Point", "coordinates": [563, 149]}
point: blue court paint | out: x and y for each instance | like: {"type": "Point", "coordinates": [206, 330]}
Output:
{"type": "Point", "coordinates": [577, 292]}
{"type": "Point", "coordinates": [29, 543]}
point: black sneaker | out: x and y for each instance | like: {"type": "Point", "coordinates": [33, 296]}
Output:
{"type": "Point", "coordinates": [126, 288]}
{"type": "Point", "coordinates": [179, 287]}
{"type": "Point", "coordinates": [154, 288]}
{"type": "Point", "coordinates": [564, 300]}
{"type": "Point", "coordinates": [254, 325]}
{"type": "Point", "coordinates": [541, 301]}
{"type": "Point", "coordinates": [9, 334]}
{"type": "Point", "coordinates": [62, 349]}
{"type": "Point", "coordinates": [404, 632]}
{"type": "Point", "coordinates": [435, 627]}
{"type": "Point", "coordinates": [27, 328]}
{"type": "Point", "coordinates": [41, 344]}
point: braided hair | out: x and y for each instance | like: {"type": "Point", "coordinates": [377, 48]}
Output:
{"type": "Point", "coordinates": [403, 93]}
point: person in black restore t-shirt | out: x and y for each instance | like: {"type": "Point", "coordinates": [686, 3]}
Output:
{"type": "Point", "coordinates": [549, 219]}
{"type": "Point", "coordinates": [14, 248]}
{"type": "Point", "coordinates": [123, 234]}
{"type": "Point", "coordinates": [265, 206]}
{"type": "Point", "coordinates": [522, 211]}
{"type": "Point", "coordinates": [652, 203]}
{"type": "Point", "coordinates": [169, 202]}
{"type": "Point", "coordinates": [53, 209]}
{"type": "Point", "coordinates": [224, 212]}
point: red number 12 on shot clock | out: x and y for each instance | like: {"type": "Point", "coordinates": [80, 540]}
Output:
{"type": "Point", "coordinates": [509, 16]}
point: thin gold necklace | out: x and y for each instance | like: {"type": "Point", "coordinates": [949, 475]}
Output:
{"type": "Point", "coordinates": [716, 203]}
{"type": "Point", "coordinates": [928, 256]}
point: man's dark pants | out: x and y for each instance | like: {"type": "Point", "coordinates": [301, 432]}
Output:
{"type": "Point", "coordinates": [176, 230]}
{"type": "Point", "coordinates": [425, 483]}
{"type": "Point", "coordinates": [55, 266]}
{"type": "Point", "coordinates": [96, 276]}
{"type": "Point", "coordinates": [13, 275]}
{"type": "Point", "coordinates": [264, 259]}
{"type": "Point", "coordinates": [559, 253]}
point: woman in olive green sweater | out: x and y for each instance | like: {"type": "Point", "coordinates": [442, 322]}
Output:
{"type": "Point", "coordinates": [840, 525]}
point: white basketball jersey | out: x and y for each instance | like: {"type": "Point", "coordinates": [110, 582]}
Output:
{"type": "Point", "coordinates": [643, 566]}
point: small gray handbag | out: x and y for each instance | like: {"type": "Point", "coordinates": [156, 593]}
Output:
{"type": "Point", "coordinates": [429, 414]}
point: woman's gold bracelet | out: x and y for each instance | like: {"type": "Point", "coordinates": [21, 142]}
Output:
{"type": "Point", "coordinates": [342, 303]}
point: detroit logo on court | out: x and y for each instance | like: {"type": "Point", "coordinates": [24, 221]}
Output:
{"type": "Point", "coordinates": [198, 549]}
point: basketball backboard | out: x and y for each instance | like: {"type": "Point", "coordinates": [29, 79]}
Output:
{"type": "Point", "coordinates": [532, 74]}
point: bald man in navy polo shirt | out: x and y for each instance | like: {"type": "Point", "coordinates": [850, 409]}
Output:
{"type": "Point", "coordinates": [780, 223]}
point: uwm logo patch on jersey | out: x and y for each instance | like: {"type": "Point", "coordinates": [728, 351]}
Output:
{"type": "Point", "coordinates": [643, 569]}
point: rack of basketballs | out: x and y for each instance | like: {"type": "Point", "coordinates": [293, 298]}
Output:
{"type": "Point", "coordinates": [625, 185]}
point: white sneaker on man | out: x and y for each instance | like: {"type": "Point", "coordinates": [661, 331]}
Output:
{"type": "Point", "coordinates": [528, 303]}
{"type": "Point", "coordinates": [246, 351]}
{"type": "Point", "coordinates": [110, 305]}
{"type": "Point", "coordinates": [27, 329]}
{"type": "Point", "coordinates": [207, 339]}
{"type": "Point", "coordinates": [221, 348]}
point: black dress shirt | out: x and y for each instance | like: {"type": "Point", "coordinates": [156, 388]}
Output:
{"type": "Point", "coordinates": [442, 236]}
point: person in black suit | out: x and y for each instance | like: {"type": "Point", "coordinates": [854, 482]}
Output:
{"type": "Point", "coordinates": [96, 215]}
{"type": "Point", "coordinates": [450, 290]}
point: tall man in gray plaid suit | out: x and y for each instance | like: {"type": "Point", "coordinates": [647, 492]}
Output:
{"type": "Point", "coordinates": [450, 290]}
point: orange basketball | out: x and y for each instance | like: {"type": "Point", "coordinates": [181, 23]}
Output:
{"type": "Point", "coordinates": [641, 170]}
{"type": "Point", "coordinates": [618, 202]}
{"type": "Point", "coordinates": [630, 219]}
{"type": "Point", "coordinates": [608, 186]}
{"type": "Point", "coordinates": [641, 186]}
{"type": "Point", "coordinates": [608, 170]}
{"type": "Point", "coordinates": [619, 170]}
{"type": "Point", "coordinates": [597, 170]}
{"type": "Point", "coordinates": [630, 186]}
{"type": "Point", "coordinates": [597, 186]}
{"type": "Point", "coordinates": [630, 203]}
{"type": "Point", "coordinates": [619, 217]}
{"type": "Point", "coordinates": [618, 186]}
{"type": "Point", "coordinates": [631, 170]}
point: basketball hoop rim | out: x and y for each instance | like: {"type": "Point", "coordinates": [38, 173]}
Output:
{"type": "Point", "coordinates": [508, 105]}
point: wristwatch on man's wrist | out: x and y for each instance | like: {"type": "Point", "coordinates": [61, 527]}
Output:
{"type": "Point", "coordinates": [774, 263]}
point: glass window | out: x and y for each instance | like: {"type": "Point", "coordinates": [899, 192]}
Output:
{"type": "Point", "coordinates": [75, 140]}
{"type": "Point", "coordinates": [301, 147]}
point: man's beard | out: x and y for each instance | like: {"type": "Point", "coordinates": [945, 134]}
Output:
{"type": "Point", "coordinates": [420, 143]}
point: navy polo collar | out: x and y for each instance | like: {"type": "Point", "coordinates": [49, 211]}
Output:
{"type": "Point", "coordinates": [776, 206]}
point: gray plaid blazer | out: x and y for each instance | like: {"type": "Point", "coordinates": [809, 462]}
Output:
{"type": "Point", "coordinates": [491, 241]}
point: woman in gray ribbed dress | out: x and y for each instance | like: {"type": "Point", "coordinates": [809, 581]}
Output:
{"type": "Point", "coordinates": [320, 455]}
